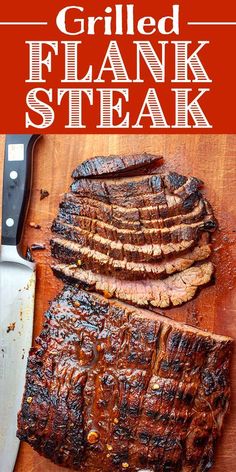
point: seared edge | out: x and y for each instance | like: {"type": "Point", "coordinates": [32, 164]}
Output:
{"type": "Point", "coordinates": [133, 164]}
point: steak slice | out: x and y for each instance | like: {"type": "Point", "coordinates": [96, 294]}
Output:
{"type": "Point", "coordinates": [118, 191]}
{"type": "Point", "coordinates": [118, 250]}
{"type": "Point", "coordinates": [175, 234]}
{"type": "Point", "coordinates": [110, 387]}
{"type": "Point", "coordinates": [172, 206]}
{"type": "Point", "coordinates": [115, 166]}
{"type": "Point", "coordinates": [72, 253]}
{"type": "Point", "coordinates": [174, 290]}
{"type": "Point", "coordinates": [71, 212]}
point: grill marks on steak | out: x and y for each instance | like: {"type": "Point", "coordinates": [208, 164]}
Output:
{"type": "Point", "coordinates": [152, 392]}
{"type": "Point", "coordinates": [173, 206]}
{"type": "Point", "coordinates": [73, 211]}
{"type": "Point", "coordinates": [178, 233]}
{"type": "Point", "coordinates": [120, 190]}
{"type": "Point", "coordinates": [174, 290]}
{"type": "Point", "coordinates": [117, 250]}
{"type": "Point", "coordinates": [79, 254]}
{"type": "Point", "coordinates": [133, 227]}
{"type": "Point", "coordinates": [112, 166]}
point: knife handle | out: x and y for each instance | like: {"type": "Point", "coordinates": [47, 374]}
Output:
{"type": "Point", "coordinates": [17, 177]}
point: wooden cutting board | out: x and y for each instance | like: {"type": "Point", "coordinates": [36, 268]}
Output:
{"type": "Point", "coordinates": [212, 158]}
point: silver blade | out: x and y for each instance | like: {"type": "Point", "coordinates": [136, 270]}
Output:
{"type": "Point", "coordinates": [17, 288]}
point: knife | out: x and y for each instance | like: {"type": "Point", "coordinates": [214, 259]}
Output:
{"type": "Point", "coordinates": [17, 288]}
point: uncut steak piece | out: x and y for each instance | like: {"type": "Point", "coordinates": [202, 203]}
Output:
{"type": "Point", "coordinates": [111, 166]}
{"type": "Point", "coordinates": [114, 388]}
{"type": "Point", "coordinates": [173, 290]}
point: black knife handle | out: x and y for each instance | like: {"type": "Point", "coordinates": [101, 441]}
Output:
{"type": "Point", "coordinates": [17, 179]}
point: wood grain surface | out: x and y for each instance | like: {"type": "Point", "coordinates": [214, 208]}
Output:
{"type": "Point", "coordinates": [212, 158]}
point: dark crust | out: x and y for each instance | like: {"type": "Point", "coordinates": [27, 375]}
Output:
{"type": "Point", "coordinates": [165, 385]}
{"type": "Point", "coordinates": [147, 207]}
{"type": "Point", "coordinates": [149, 189]}
{"type": "Point", "coordinates": [115, 166]}
{"type": "Point", "coordinates": [72, 210]}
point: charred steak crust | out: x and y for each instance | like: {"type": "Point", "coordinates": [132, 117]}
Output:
{"type": "Point", "coordinates": [134, 164]}
{"type": "Point", "coordinates": [110, 387]}
{"type": "Point", "coordinates": [136, 208]}
{"type": "Point", "coordinates": [73, 210]}
{"type": "Point", "coordinates": [117, 191]}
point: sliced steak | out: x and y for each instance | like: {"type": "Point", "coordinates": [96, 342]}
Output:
{"type": "Point", "coordinates": [110, 387]}
{"type": "Point", "coordinates": [116, 166]}
{"type": "Point", "coordinates": [118, 250]}
{"type": "Point", "coordinates": [118, 191]}
{"type": "Point", "coordinates": [140, 228]}
{"type": "Point", "coordinates": [72, 212]}
{"type": "Point", "coordinates": [174, 290]}
{"type": "Point", "coordinates": [73, 253]}
{"type": "Point", "coordinates": [173, 206]}
{"type": "Point", "coordinates": [175, 234]}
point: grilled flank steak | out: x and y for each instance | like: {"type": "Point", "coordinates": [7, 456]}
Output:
{"type": "Point", "coordinates": [138, 227]}
{"type": "Point", "coordinates": [111, 387]}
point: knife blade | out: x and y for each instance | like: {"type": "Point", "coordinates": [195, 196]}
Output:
{"type": "Point", "coordinates": [17, 289]}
